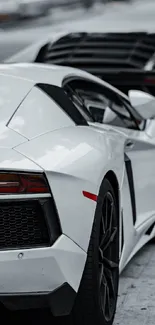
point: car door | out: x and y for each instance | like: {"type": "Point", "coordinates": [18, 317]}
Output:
{"type": "Point", "coordinates": [106, 108]}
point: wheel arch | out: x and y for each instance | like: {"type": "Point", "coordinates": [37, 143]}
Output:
{"type": "Point", "coordinates": [112, 178]}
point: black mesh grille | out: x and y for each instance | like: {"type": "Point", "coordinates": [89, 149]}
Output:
{"type": "Point", "coordinates": [94, 52]}
{"type": "Point", "coordinates": [22, 225]}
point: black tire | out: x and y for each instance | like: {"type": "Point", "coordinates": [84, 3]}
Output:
{"type": "Point", "coordinates": [88, 309]}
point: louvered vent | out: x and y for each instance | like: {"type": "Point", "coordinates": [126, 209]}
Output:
{"type": "Point", "coordinates": [118, 58]}
{"type": "Point", "coordinates": [95, 52]}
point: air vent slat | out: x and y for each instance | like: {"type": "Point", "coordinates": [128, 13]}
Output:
{"type": "Point", "coordinates": [95, 52]}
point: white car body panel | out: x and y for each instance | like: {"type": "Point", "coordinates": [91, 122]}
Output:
{"type": "Point", "coordinates": [142, 156]}
{"type": "Point", "coordinates": [34, 108]}
{"type": "Point", "coordinates": [33, 73]}
{"type": "Point", "coordinates": [61, 152]}
{"type": "Point", "coordinates": [30, 53]}
{"type": "Point", "coordinates": [74, 159]}
{"type": "Point", "coordinates": [40, 263]}
{"type": "Point", "coordinates": [12, 92]}
{"type": "Point", "coordinates": [9, 138]}
{"type": "Point", "coordinates": [11, 160]}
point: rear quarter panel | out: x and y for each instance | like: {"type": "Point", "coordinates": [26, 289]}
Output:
{"type": "Point", "coordinates": [76, 159]}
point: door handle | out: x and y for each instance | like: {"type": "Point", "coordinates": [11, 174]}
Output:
{"type": "Point", "coordinates": [129, 145]}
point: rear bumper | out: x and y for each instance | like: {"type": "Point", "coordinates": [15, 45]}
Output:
{"type": "Point", "coordinates": [38, 273]}
{"type": "Point", "coordinates": [60, 301]}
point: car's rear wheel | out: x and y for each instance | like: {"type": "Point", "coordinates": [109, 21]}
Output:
{"type": "Point", "coordinates": [97, 296]}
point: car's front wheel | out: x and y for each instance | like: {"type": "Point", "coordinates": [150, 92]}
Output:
{"type": "Point", "coordinates": [97, 296]}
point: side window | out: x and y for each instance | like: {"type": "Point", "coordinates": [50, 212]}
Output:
{"type": "Point", "coordinates": [95, 103]}
{"type": "Point", "coordinates": [100, 104]}
{"type": "Point", "coordinates": [78, 102]}
{"type": "Point", "coordinates": [123, 117]}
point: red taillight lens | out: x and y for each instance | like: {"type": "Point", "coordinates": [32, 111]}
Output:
{"type": "Point", "coordinates": [11, 183]}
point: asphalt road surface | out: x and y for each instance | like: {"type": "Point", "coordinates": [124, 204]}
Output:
{"type": "Point", "coordinates": [136, 302]}
{"type": "Point", "coordinates": [139, 15]}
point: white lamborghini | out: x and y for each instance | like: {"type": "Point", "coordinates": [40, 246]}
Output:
{"type": "Point", "coordinates": [77, 190]}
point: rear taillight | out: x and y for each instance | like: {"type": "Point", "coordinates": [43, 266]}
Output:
{"type": "Point", "coordinates": [26, 183]}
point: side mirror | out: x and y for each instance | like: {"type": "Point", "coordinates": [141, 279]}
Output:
{"type": "Point", "coordinates": [138, 97]}
{"type": "Point", "coordinates": [150, 128]}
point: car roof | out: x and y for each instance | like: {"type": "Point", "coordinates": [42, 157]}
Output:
{"type": "Point", "coordinates": [17, 80]}
{"type": "Point", "coordinates": [34, 73]}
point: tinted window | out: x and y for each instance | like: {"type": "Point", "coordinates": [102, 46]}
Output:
{"type": "Point", "coordinates": [102, 105]}
{"type": "Point", "coordinates": [78, 102]}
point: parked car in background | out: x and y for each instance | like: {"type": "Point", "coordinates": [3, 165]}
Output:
{"type": "Point", "coordinates": [32, 8]}
{"type": "Point", "coordinates": [8, 9]}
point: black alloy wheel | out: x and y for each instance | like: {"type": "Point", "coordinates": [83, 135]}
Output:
{"type": "Point", "coordinates": [97, 295]}
{"type": "Point", "coordinates": [108, 257]}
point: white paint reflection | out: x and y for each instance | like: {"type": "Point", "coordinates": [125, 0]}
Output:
{"type": "Point", "coordinates": [61, 156]}
{"type": "Point", "coordinates": [17, 122]}
{"type": "Point", "coordinates": [18, 163]}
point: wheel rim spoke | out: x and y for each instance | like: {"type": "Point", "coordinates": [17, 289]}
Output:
{"type": "Point", "coordinates": [110, 215]}
{"type": "Point", "coordinates": [106, 212]}
{"type": "Point", "coordinates": [108, 311]}
{"type": "Point", "coordinates": [104, 287]}
{"type": "Point", "coordinates": [108, 264]}
{"type": "Point", "coordinates": [110, 280]}
{"type": "Point", "coordinates": [101, 274]}
{"type": "Point", "coordinates": [104, 238]}
{"type": "Point", "coordinates": [103, 226]}
{"type": "Point", "coordinates": [110, 238]}
{"type": "Point", "coordinates": [100, 256]}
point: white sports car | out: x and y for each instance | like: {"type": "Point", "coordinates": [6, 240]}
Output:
{"type": "Point", "coordinates": [77, 189]}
